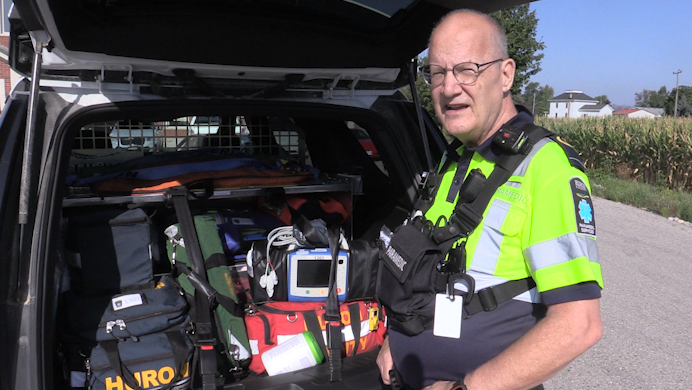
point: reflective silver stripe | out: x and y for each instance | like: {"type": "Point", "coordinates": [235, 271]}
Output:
{"type": "Point", "coordinates": [488, 249]}
{"type": "Point", "coordinates": [521, 169]}
{"type": "Point", "coordinates": [560, 250]}
{"type": "Point", "coordinates": [514, 184]}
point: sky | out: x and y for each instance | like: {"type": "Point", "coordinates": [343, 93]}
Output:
{"type": "Point", "coordinates": [614, 47]}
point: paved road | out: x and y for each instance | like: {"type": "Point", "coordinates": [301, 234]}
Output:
{"type": "Point", "coordinates": [646, 305]}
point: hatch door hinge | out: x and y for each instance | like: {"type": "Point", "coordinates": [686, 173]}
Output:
{"type": "Point", "coordinates": [101, 79]}
{"type": "Point", "coordinates": [349, 93]}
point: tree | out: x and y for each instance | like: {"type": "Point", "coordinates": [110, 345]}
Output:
{"type": "Point", "coordinates": [684, 101]}
{"type": "Point", "coordinates": [535, 98]}
{"type": "Point", "coordinates": [648, 98]}
{"type": "Point", "coordinates": [520, 26]}
{"type": "Point", "coordinates": [618, 107]}
{"type": "Point", "coordinates": [602, 99]}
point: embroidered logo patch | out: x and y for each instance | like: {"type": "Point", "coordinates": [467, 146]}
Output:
{"type": "Point", "coordinates": [583, 207]}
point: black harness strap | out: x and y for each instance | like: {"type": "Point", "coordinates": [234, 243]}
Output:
{"type": "Point", "coordinates": [468, 214]}
{"type": "Point", "coordinates": [487, 299]}
{"type": "Point", "coordinates": [313, 325]}
{"type": "Point", "coordinates": [332, 316]}
{"type": "Point", "coordinates": [203, 287]}
{"type": "Point", "coordinates": [205, 340]}
{"type": "Point", "coordinates": [354, 313]}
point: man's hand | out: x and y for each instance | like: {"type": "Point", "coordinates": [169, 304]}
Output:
{"type": "Point", "coordinates": [385, 362]}
{"type": "Point", "coordinates": [440, 385]}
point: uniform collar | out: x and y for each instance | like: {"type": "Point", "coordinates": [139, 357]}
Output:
{"type": "Point", "coordinates": [486, 149]}
{"type": "Point", "coordinates": [492, 153]}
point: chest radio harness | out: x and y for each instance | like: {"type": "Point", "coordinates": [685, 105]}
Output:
{"type": "Point", "coordinates": [422, 258]}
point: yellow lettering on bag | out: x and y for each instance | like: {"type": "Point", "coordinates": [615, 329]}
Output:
{"type": "Point", "coordinates": [348, 346]}
{"type": "Point", "coordinates": [345, 318]}
{"type": "Point", "coordinates": [166, 375]}
{"type": "Point", "coordinates": [114, 385]}
{"type": "Point", "coordinates": [149, 379]}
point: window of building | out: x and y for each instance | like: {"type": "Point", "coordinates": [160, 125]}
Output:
{"type": "Point", "coordinates": [5, 21]}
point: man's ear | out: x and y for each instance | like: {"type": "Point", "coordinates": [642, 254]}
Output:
{"type": "Point", "coordinates": [508, 69]}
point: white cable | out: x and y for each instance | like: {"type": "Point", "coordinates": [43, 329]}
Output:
{"type": "Point", "coordinates": [280, 236]}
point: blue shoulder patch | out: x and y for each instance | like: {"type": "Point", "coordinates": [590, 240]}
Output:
{"type": "Point", "coordinates": [583, 207]}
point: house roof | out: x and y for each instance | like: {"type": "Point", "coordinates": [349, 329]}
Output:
{"type": "Point", "coordinates": [626, 111]}
{"type": "Point", "coordinates": [592, 107]}
{"type": "Point", "coordinates": [572, 95]}
{"type": "Point", "coordinates": [655, 111]}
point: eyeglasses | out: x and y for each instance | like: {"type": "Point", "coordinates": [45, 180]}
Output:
{"type": "Point", "coordinates": [465, 73]}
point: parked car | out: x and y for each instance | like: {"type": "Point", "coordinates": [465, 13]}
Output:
{"type": "Point", "coordinates": [296, 73]}
{"type": "Point", "coordinates": [128, 135]}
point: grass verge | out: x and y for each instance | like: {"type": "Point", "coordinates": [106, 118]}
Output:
{"type": "Point", "coordinates": [659, 200]}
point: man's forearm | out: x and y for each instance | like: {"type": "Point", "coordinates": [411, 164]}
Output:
{"type": "Point", "coordinates": [567, 331]}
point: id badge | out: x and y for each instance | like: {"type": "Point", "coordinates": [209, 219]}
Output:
{"type": "Point", "coordinates": [447, 321]}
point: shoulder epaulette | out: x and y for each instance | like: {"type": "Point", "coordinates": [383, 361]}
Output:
{"type": "Point", "coordinates": [572, 154]}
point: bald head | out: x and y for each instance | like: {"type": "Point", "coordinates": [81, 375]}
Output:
{"type": "Point", "coordinates": [464, 18]}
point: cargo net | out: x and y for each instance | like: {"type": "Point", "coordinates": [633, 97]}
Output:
{"type": "Point", "coordinates": [108, 143]}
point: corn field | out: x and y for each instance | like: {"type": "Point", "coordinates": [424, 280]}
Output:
{"type": "Point", "coordinates": [653, 151]}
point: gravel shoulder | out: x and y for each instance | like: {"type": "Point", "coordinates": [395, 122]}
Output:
{"type": "Point", "coordinates": [646, 304]}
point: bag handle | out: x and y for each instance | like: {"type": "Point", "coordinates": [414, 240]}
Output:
{"type": "Point", "coordinates": [180, 355]}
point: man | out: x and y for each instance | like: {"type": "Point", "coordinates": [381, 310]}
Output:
{"type": "Point", "coordinates": [546, 232]}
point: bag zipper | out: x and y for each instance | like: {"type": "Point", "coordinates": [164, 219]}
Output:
{"type": "Point", "coordinates": [122, 321]}
{"type": "Point", "coordinates": [130, 362]}
{"type": "Point", "coordinates": [272, 310]}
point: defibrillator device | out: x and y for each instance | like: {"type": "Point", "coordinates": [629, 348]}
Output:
{"type": "Point", "coordinates": [308, 275]}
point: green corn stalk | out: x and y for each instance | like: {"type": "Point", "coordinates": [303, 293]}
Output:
{"type": "Point", "coordinates": [653, 151]}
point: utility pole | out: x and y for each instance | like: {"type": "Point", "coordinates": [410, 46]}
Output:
{"type": "Point", "coordinates": [677, 79]}
{"type": "Point", "coordinates": [533, 109]}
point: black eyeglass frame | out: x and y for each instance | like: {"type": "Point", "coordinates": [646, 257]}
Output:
{"type": "Point", "coordinates": [425, 70]}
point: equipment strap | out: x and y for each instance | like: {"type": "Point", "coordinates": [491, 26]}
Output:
{"type": "Point", "coordinates": [488, 298]}
{"type": "Point", "coordinates": [354, 313]}
{"type": "Point", "coordinates": [203, 287]}
{"type": "Point", "coordinates": [468, 215]}
{"type": "Point", "coordinates": [205, 341]}
{"type": "Point", "coordinates": [332, 316]}
{"type": "Point", "coordinates": [313, 325]}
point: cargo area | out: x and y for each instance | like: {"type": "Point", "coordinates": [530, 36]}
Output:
{"type": "Point", "coordinates": [240, 168]}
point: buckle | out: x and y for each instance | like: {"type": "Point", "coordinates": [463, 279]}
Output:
{"type": "Point", "coordinates": [462, 223]}
{"type": "Point", "coordinates": [332, 318]}
{"type": "Point", "coordinates": [487, 299]}
{"type": "Point", "coordinates": [423, 182]}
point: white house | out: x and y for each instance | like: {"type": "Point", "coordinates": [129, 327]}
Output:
{"type": "Point", "coordinates": [575, 104]}
{"type": "Point", "coordinates": [640, 112]}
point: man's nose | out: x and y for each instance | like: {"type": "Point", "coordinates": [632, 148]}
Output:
{"type": "Point", "coordinates": [450, 86]}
